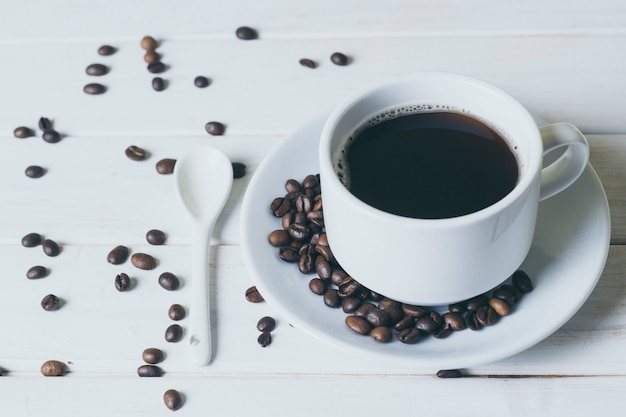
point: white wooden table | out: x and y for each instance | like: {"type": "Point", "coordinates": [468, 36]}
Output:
{"type": "Point", "coordinates": [564, 60]}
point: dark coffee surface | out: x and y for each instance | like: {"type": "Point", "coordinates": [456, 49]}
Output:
{"type": "Point", "coordinates": [431, 165]}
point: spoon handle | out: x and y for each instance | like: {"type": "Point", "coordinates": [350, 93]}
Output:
{"type": "Point", "coordinates": [200, 314]}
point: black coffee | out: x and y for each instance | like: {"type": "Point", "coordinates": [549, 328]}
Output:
{"type": "Point", "coordinates": [430, 165]}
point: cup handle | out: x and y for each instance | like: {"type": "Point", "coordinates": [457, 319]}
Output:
{"type": "Point", "coordinates": [561, 173]}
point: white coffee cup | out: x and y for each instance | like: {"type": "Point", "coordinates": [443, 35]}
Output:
{"type": "Point", "coordinates": [442, 261]}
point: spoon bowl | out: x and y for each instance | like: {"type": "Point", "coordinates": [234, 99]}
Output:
{"type": "Point", "coordinates": [204, 177]}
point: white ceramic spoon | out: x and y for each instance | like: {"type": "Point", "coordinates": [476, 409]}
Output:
{"type": "Point", "coordinates": [204, 177]}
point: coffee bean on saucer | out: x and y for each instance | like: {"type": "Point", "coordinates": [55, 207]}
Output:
{"type": "Point", "coordinates": [173, 399]}
{"type": "Point", "coordinates": [201, 81]}
{"type": "Point", "coordinates": [50, 247]}
{"type": "Point", "coordinates": [382, 334]}
{"type": "Point", "coordinates": [149, 371]}
{"type": "Point", "coordinates": [486, 316]}
{"type": "Point", "coordinates": [23, 132]}
{"type": "Point", "coordinates": [51, 302]}
{"type": "Point", "coordinates": [499, 306]}
{"type": "Point", "coordinates": [169, 281]}
{"type": "Point", "coordinates": [239, 170]}
{"type": "Point", "coordinates": [148, 43]}
{"type": "Point", "coordinates": [176, 312]}
{"type": "Point", "coordinates": [51, 136]}
{"type": "Point", "coordinates": [122, 282]}
{"type": "Point", "coordinates": [94, 89]}
{"type": "Point", "coordinates": [358, 325]}
{"type": "Point", "coordinates": [158, 84]}
{"type": "Point", "coordinates": [449, 373]}
{"type": "Point", "coordinates": [152, 356]}
{"type": "Point", "coordinates": [340, 59]}
{"type": "Point", "coordinates": [309, 63]}
{"type": "Point", "coordinates": [135, 153]}
{"type": "Point", "coordinates": [106, 50]}
{"type": "Point", "coordinates": [410, 336]}
{"type": "Point", "coordinates": [53, 368]}
{"type": "Point", "coordinates": [34, 171]}
{"type": "Point", "coordinates": [264, 339]}
{"type": "Point", "coordinates": [266, 324]}
{"type": "Point", "coordinates": [174, 333]}
{"type": "Point", "coordinates": [156, 67]}
{"type": "Point", "coordinates": [253, 295]}
{"type": "Point", "coordinates": [37, 272]}
{"type": "Point", "coordinates": [118, 255]}
{"type": "Point", "coordinates": [215, 128]}
{"type": "Point", "coordinates": [143, 261]}
{"type": "Point", "coordinates": [246, 33]}
{"type": "Point", "coordinates": [155, 237]}
{"type": "Point", "coordinates": [96, 70]}
{"type": "Point", "coordinates": [31, 240]}
{"type": "Point", "coordinates": [166, 166]}
{"type": "Point", "coordinates": [522, 281]}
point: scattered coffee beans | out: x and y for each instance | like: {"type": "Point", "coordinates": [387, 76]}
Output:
{"type": "Point", "coordinates": [149, 371]}
{"type": "Point", "coordinates": [23, 132]}
{"type": "Point", "coordinates": [50, 247]}
{"type": "Point", "coordinates": [166, 166]}
{"type": "Point", "coordinates": [156, 67]}
{"type": "Point", "coordinates": [239, 170]}
{"type": "Point", "coordinates": [152, 356]}
{"type": "Point", "coordinates": [176, 312]}
{"type": "Point", "coordinates": [339, 59]}
{"type": "Point", "coordinates": [51, 302]}
{"type": "Point", "coordinates": [174, 333]}
{"type": "Point", "coordinates": [31, 240]}
{"type": "Point", "coordinates": [215, 128]}
{"type": "Point", "coordinates": [122, 282]}
{"type": "Point", "coordinates": [143, 261]}
{"type": "Point", "coordinates": [169, 281]}
{"type": "Point", "coordinates": [158, 84]}
{"type": "Point", "coordinates": [309, 63]}
{"type": "Point", "coordinates": [106, 50]}
{"type": "Point", "coordinates": [266, 324]}
{"type": "Point", "coordinates": [201, 81]}
{"type": "Point", "coordinates": [155, 237]}
{"type": "Point", "coordinates": [246, 33]}
{"type": "Point", "coordinates": [264, 339]}
{"type": "Point", "coordinates": [135, 153]}
{"type": "Point", "coordinates": [173, 399]}
{"type": "Point", "coordinates": [94, 88]}
{"type": "Point", "coordinates": [34, 171]}
{"type": "Point", "coordinates": [149, 43]}
{"type": "Point", "coordinates": [118, 255]}
{"type": "Point", "coordinates": [96, 70]}
{"type": "Point", "coordinates": [51, 136]}
{"type": "Point", "coordinates": [53, 368]}
{"type": "Point", "coordinates": [449, 373]}
{"type": "Point", "coordinates": [253, 295]}
{"type": "Point", "coordinates": [37, 272]}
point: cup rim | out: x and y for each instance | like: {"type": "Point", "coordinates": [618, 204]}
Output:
{"type": "Point", "coordinates": [325, 156]}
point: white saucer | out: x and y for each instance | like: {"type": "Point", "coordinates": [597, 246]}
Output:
{"type": "Point", "coordinates": [565, 262]}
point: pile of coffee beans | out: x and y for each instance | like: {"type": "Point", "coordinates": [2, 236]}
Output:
{"type": "Point", "coordinates": [301, 240]}
{"type": "Point", "coordinates": [153, 59]}
{"type": "Point", "coordinates": [265, 325]}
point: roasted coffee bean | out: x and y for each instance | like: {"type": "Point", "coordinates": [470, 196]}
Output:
{"type": "Point", "coordinates": [388, 303]}
{"type": "Point", "coordinates": [34, 171]}
{"type": "Point", "coordinates": [158, 84]}
{"type": "Point", "coordinates": [201, 81]}
{"type": "Point", "coordinates": [414, 311]}
{"type": "Point", "coordinates": [349, 287]}
{"type": "Point", "coordinates": [486, 316]}
{"type": "Point", "coordinates": [293, 186]}
{"type": "Point", "coordinates": [471, 320]}
{"type": "Point", "coordinates": [358, 324]}
{"type": "Point", "coordinates": [264, 339]}
{"type": "Point", "coordinates": [97, 69]}
{"type": "Point", "coordinates": [287, 220]}
{"type": "Point", "coordinates": [382, 334]}
{"type": "Point", "coordinates": [45, 124]}
{"type": "Point", "coordinates": [317, 286]}
{"type": "Point", "coordinates": [246, 33]}
{"type": "Point", "coordinates": [94, 88]}
{"type": "Point", "coordinates": [156, 67]}
{"type": "Point", "coordinates": [300, 218]}
{"type": "Point", "coordinates": [166, 166]}
{"type": "Point", "coordinates": [303, 203]}
{"type": "Point", "coordinates": [323, 268]}
{"type": "Point", "coordinates": [143, 261]}
{"type": "Point", "coordinates": [350, 304]}
{"type": "Point", "coordinates": [176, 312]}
{"type": "Point", "coordinates": [266, 324]}
{"type": "Point", "coordinates": [51, 302]}
{"type": "Point", "coordinates": [299, 232]}
{"type": "Point", "coordinates": [37, 272]}
{"type": "Point", "coordinates": [288, 254]}
{"type": "Point", "coordinates": [135, 153]}
{"type": "Point", "coordinates": [155, 237]}
{"type": "Point", "coordinates": [332, 299]}
{"type": "Point", "coordinates": [50, 247]}
{"type": "Point", "coordinates": [53, 368]}
{"type": "Point", "coordinates": [477, 302]}
{"type": "Point", "coordinates": [280, 206]}
{"type": "Point", "coordinates": [306, 263]}
{"type": "Point", "coordinates": [122, 282]}
{"type": "Point", "coordinates": [449, 373]}
{"type": "Point", "coordinates": [325, 252]}
{"type": "Point", "coordinates": [427, 325]}
{"type": "Point", "coordinates": [406, 322]}
{"type": "Point", "coordinates": [173, 399]}
{"type": "Point", "coordinates": [338, 276]}
{"type": "Point", "coordinates": [517, 294]}
{"type": "Point", "coordinates": [522, 281]}
{"type": "Point", "coordinates": [118, 255]}
{"type": "Point", "coordinates": [149, 43]}
{"type": "Point", "coordinates": [410, 335]}
{"type": "Point", "coordinates": [23, 132]}
{"type": "Point", "coordinates": [376, 317]}
{"type": "Point", "coordinates": [363, 309]}
{"type": "Point", "coordinates": [174, 333]}
{"type": "Point", "coordinates": [310, 182]}
{"type": "Point", "coordinates": [152, 356]}
{"type": "Point", "coordinates": [106, 50]}
{"type": "Point", "coordinates": [169, 281]}
{"type": "Point", "coordinates": [51, 136]}
{"type": "Point", "coordinates": [442, 332]}
{"type": "Point", "coordinates": [395, 314]}
{"type": "Point", "coordinates": [239, 170]}
{"type": "Point", "coordinates": [500, 306]}
{"type": "Point", "coordinates": [504, 295]}
{"type": "Point", "coordinates": [455, 321]}
{"type": "Point", "coordinates": [315, 217]}
{"type": "Point", "coordinates": [31, 240]}
{"type": "Point", "coordinates": [306, 62]}
{"type": "Point", "coordinates": [253, 295]}
{"type": "Point", "coordinates": [151, 56]}
{"type": "Point", "coordinates": [215, 128]}
{"type": "Point", "coordinates": [149, 371]}
{"type": "Point", "coordinates": [339, 58]}
{"type": "Point", "coordinates": [279, 238]}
